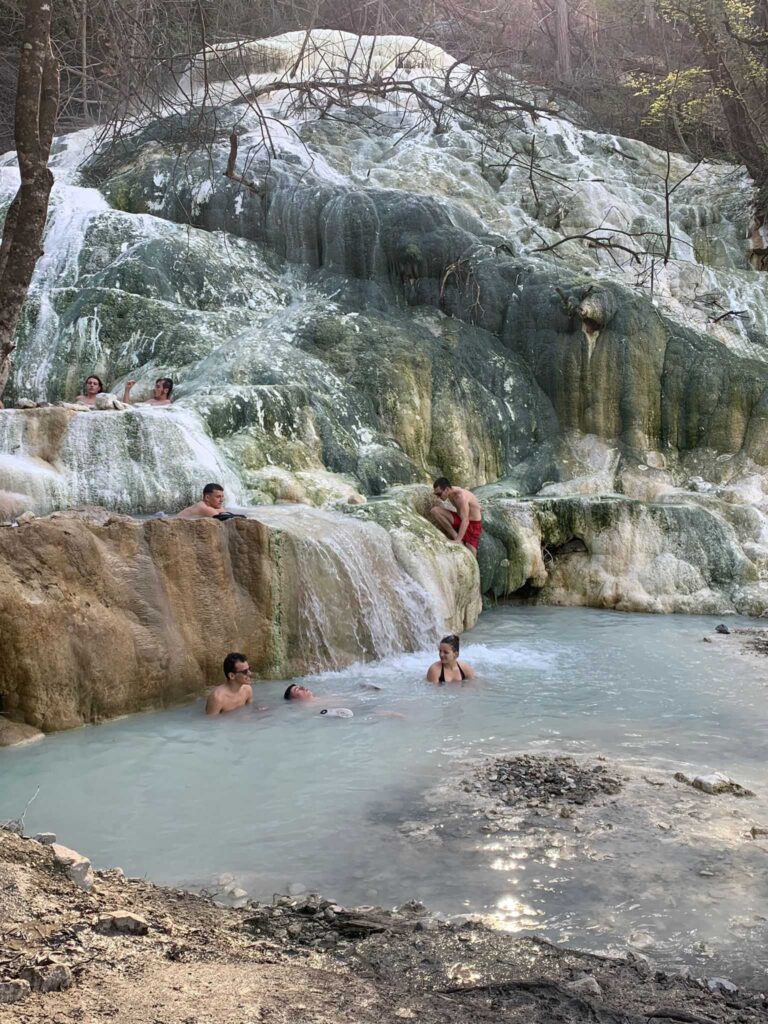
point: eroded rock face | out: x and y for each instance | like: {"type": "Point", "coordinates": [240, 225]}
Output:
{"type": "Point", "coordinates": [616, 552]}
{"type": "Point", "coordinates": [101, 615]}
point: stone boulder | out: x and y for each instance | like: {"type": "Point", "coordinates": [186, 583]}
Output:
{"type": "Point", "coordinates": [77, 867]}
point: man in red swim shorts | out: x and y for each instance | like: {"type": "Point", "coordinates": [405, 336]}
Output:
{"type": "Point", "coordinates": [463, 526]}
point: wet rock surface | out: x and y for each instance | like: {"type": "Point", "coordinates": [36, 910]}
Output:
{"type": "Point", "coordinates": [304, 959]}
{"type": "Point", "coordinates": [528, 780]}
{"type": "Point", "coordinates": [716, 784]}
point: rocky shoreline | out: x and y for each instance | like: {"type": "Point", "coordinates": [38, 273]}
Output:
{"type": "Point", "coordinates": [78, 944]}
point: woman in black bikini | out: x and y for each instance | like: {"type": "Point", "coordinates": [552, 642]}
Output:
{"type": "Point", "coordinates": [449, 669]}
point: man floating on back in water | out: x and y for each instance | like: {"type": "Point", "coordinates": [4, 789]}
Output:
{"type": "Point", "coordinates": [237, 691]}
{"type": "Point", "coordinates": [463, 526]}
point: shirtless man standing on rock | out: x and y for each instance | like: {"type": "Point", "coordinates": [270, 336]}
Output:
{"type": "Point", "coordinates": [237, 691]}
{"type": "Point", "coordinates": [463, 526]}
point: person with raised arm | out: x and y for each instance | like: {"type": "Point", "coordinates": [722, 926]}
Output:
{"type": "Point", "coordinates": [161, 392]}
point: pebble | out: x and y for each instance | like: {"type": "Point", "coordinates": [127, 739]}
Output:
{"type": "Point", "coordinates": [14, 991]}
{"type": "Point", "coordinates": [56, 978]}
{"type": "Point", "coordinates": [721, 985]}
{"type": "Point", "coordinates": [586, 986]}
{"type": "Point", "coordinates": [121, 921]}
{"type": "Point", "coordinates": [46, 838]}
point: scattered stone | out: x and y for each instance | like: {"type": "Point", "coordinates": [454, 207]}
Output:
{"type": "Point", "coordinates": [78, 868]}
{"type": "Point", "coordinates": [640, 962]}
{"type": "Point", "coordinates": [758, 830]}
{"type": "Point", "coordinates": [722, 628]}
{"type": "Point", "coordinates": [55, 978]}
{"type": "Point", "coordinates": [586, 986]}
{"type": "Point", "coordinates": [706, 639]}
{"type": "Point", "coordinates": [534, 780]}
{"type": "Point", "coordinates": [721, 985]}
{"type": "Point", "coordinates": [121, 921]}
{"type": "Point", "coordinates": [46, 838]}
{"type": "Point", "coordinates": [715, 784]}
{"type": "Point", "coordinates": [405, 1014]}
{"type": "Point", "coordinates": [14, 991]}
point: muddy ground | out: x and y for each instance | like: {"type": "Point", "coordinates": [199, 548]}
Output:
{"type": "Point", "coordinates": [300, 960]}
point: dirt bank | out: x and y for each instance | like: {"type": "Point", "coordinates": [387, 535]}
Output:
{"type": "Point", "coordinates": [302, 960]}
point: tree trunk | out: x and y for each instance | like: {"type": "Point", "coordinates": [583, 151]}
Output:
{"type": "Point", "coordinates": [563, 42]}
{"type": "Point", "coordinates": [37, 100]}
{"type": "Point", "coordinates": [736, 115]}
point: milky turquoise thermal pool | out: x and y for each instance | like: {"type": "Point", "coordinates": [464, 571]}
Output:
{"type": "Point", "coordinates": [360, 809]}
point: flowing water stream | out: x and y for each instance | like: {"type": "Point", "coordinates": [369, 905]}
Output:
{"type": "Point", "coordinates": [367, 809]}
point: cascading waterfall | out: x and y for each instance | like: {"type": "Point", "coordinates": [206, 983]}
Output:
{"type": "Point", "coordinates": [158, 459]}
{"type": "Point", "coordinates": [341, 564]}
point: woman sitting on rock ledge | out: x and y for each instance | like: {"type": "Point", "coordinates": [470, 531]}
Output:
{"type": "Point", "coordinates": [449, 669]}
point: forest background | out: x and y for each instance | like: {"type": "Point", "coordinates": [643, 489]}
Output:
{"type": "Point", "coordinates": [688, 76]}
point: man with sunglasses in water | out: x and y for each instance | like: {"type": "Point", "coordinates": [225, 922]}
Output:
{"type": "Point", "coordinates": [237, 691]}
{"type": "Point", "coordinates": [463, 526]}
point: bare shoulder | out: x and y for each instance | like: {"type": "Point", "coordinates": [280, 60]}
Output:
{"type": "Point", "coordinates": [469, 672]}
{"type": "Point", "coordinates": [433, 672]}
{"type": "Point", "coordinates": [213, 705]}
{"type": "Point", "coordinates": [247, 692]}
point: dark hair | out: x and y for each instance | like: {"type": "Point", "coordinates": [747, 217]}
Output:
{"type": "Point", "coordinates": [92, 376]}
{"type": "Point", "coordinates": [230, 661]}
{"type": "Point", "coordinates": [210, 488]}
{"type": "Point", "coordinates": [452, 641]}
{"type": "Point", "coordinates": [289, 691]}
{"type": "Point", "coordinates": [442, 482]}
{"type": "Point", "coordinates": [167, 384]}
